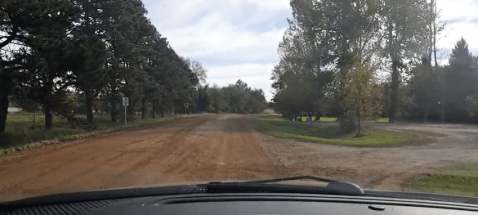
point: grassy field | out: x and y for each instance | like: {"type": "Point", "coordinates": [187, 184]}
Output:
{"type": "Point", "coordinates": [277, 127]}
{"type": "Point", "coordinates": [322, 119]}
{"type": "Point", "coordinates": [22, 130]}
{"type": "Point", "coordinates": [328, 119]}
{"type": "Point", "coordinates": [460, 180]}
{"type": "Point", "coordinates": [304, 118]}
{"type": "Point", "coordinates": [383, 120]}
{"type": "Point", "coordinates": [334, 119]}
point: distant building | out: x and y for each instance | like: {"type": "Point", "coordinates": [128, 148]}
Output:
{"type": "Point", "coordinates": [14, 109]}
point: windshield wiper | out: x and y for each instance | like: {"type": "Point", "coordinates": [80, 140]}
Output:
{"type": "Point", "coordinates": [294, 178]}
{"type": "Point", "coordinates": [333, 187]}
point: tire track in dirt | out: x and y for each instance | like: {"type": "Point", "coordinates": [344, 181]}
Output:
{"type": "Point", "coordinates": [192, 150]}
{"type": "Point", "coordinates": [136, 154]}
{"type": "Point", "coordinates": [58, 165]}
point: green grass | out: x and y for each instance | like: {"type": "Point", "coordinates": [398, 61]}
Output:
{"type": "Point", "coordinates": [21, 130]}
{"type": "Point", "coordinates": [272, 118]}
{"type": "Point", "coordinates": [325, 134]}
{"type": "Point", "coordinates": [21, 133]}
{"type": "Point", "coordinates": [328, 119]}
{"type": "Point", "coordinates": [460, 180]}
{"type": "Point", "coordinates": [334, 119]}
{"type": "Point", "coordinates": [383, 120]}
{"type": "Point", "coordinates": [322, 119]}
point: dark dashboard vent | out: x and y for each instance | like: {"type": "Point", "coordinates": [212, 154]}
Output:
{"type": "Point", "coordinates": [61, 209]}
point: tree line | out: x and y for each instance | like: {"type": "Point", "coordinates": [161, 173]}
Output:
{"type": "Point", "coordinates": [235, 98]}
{"type": "Point", "coordinates": [327, 39]}
{"type": "Point", "coordinates": [445, 93]}
{"type": "Point", "coordinates": [52, 50]}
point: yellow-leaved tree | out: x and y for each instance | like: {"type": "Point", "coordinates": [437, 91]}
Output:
{"type": "Point", "coordinates": [361, 92]}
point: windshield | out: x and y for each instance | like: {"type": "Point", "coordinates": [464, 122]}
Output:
{"type": "Point", "coordinates": [108, 94]}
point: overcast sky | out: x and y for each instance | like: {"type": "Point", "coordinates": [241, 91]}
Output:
{"type": "Point", "coordinates": [238, 39]}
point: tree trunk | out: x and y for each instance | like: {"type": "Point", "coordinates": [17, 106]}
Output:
{"type": "Point", "coordinates": [48, 117]}
{"type": "Point", "coordinates": [132, 104]}
{"type": "Point", "coordinates": [144, 109]}
{"type": "Point", "coordinates": [47, 97]}
{"type": "Point", "coordinates": [442, 112]}
{"type": "Point", "coordinates": [6, 81]}
{"type": "Point", "coordinates": [395, 75]}
{"type": "Point", "coordinates": [394, 92]}
{"type": "Point", "coordinates": [89, 107]}
{"type": "Point", "coordinates": [443, 98]}
{"type": "Point", "coordinates": [3, 111]}
{"type": "Point", "coordinates": [434, 4]}
{"type": "Point", "coordinates": [359, 126]}
{"type": "Point", "coordinates": [113, 110]}
{"type": "Point", "coordinates": [425, 114]}
{"type": "Point", "coordinates": [95, 108]}
{"type": "Point", "coordinates": [154, 112]}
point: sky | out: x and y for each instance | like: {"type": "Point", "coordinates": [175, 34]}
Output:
{"type": "Point", "coordinates": [238, 39]}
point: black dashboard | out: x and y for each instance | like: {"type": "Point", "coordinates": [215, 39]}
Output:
{"type": "Point", "coordinates": [255, 197]}
{"type": "Point", "coordinates": [249, 203]}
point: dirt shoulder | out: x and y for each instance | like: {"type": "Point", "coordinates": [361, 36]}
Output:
{"type": "Point", "coordinates": [433, 148]}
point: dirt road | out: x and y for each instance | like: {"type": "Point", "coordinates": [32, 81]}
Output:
{"type": "Point", "coordinates": [196, 149]}
{"type": "Point", "coordinates": [225, 147]}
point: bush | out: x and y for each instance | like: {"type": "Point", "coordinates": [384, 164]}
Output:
{"type": "Point", "coordinates": [5, 141]}
{"type": "Point", "coordinates": [472, 107]}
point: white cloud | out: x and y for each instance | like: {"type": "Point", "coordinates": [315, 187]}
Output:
{"type": "Point", "coordinates": [462, 21]}
{"type": "Point", "coordinates": [233, 39]}
{"type": "Point", "coordinates": [210, 38]}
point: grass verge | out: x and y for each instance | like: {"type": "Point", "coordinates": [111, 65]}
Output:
{"type": "Point", "coordinates": [325, 134]}
{"type": "Point", "coordinates": [328, 119]}
{"type": "Point", "coordinates": [459, 180]}
{"type": "Point", "coordinates": [334, 119]}
{"type": "Point", "coordinates": [22, 134]}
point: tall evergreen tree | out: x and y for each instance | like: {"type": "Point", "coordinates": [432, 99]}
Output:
{"type": "Point", "coordinates": [90, 65]}
{"type": "Point", "coordinates": [48, 48]}
{"type": "Point", "coordinates": [19, 21]}
{"type": "Point", "coordinates": [461, 79]}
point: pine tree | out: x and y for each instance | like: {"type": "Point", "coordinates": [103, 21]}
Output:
{"type": "Point", "coordinates": [90, 60]}
{"type": "Point", "coordinates": [460, 79]}
{"type": "Point", "coordinates": [49, 49]}
{"type": "Point", "coordinates": [18, 20]}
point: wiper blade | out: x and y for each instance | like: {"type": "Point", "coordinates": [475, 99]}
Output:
{"type": "Point", "coordinates": [333, 187]}
{"type": "Point", "coordinates": [302, 177]}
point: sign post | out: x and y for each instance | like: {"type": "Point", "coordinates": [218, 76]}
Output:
{"type": "Point", "coordinates": [125, 104]}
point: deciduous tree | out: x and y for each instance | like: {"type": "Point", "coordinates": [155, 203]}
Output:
{"type": "Point", "coordinates": [361, 93]}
